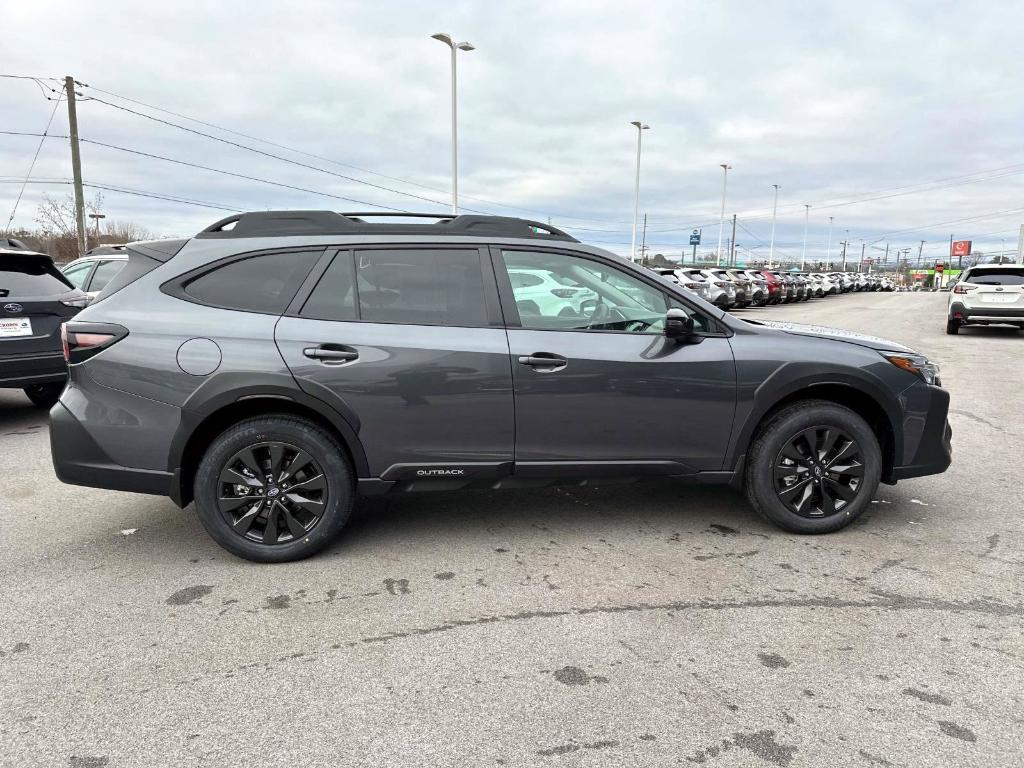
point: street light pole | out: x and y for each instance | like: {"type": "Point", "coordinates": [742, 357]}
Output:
{"type": "Point", "coordinates": [640, 128]}
{"type": "Point", "coordinates": [828, 248]}
{"type": "Point", "coordinates": [455, 47]}
{"type": "Point", "coordinates": [807, 218]}
{"type": "Point", "coordinates": [846, 241]}
{"type": "Point", "coordinates": [96, 218]}
{"type": "Point", "coordinates": [721, 217]}
{"type": "Point", "coordinates": [771, 246]}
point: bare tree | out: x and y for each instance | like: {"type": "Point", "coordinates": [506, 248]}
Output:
{"type": "Point", "coordinates": [124, 232]}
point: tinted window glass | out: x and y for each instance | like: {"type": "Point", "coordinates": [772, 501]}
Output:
{"type": "Point", "coordinates": [257, 284]}
{"type": "Point", "coordinates": [996, 276]}
{"type": "Point", "coordinates": [77, 274]}
{"type": "Point", "coordinates": [334, 297]}
{"type": "Point", "coordinates": [422, 286]}
{"type": "Point", "coordinates": [583, 295]}
{"type": "Point", "coordinates": [104, 272]}
{"type": "Point", "coordinates": [22, 276]}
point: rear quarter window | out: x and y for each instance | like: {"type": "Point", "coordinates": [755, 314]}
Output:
{"type": "Point", "coordinates": [262, 283]}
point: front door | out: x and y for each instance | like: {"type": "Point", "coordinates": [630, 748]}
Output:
{"type": "Point", "coordinates": [597, 384]}
{"type": "Point", "coordinates": [407, 343]}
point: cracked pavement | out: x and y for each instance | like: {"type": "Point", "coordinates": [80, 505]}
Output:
{"type": "Point", "coordinates": [651, 625]}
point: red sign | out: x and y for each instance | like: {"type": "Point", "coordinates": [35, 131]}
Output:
{"type": "Point", "coordinates": [961, 248]}
{"type": "Point", "coordinates": [940, 268]}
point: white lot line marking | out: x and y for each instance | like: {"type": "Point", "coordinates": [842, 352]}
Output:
{"type": "Point", "coordinates": [128, 531]}
{"type": "Point", "coordinates": [918, 501]}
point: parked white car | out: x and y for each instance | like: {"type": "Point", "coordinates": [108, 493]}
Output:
{"type": "Point", "coordinates": [550, 294]}
{"type": "Point", "coordinates": [92, 272]}
{"type": "Point", "coordinates": [987, 294]}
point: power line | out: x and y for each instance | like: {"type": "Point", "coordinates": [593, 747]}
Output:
{"type": "Point", "coordinates": [32, 165]}
{"type": "Point", "coordinates": [330, 160]}
{"type": "Point", "coordinates": [278, 157]}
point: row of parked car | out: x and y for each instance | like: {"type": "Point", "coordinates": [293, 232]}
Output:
{"type": "Point", "coordinates": [730, 288]}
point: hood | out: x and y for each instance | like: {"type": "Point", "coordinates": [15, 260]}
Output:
{"type": "Point", "coordinates": [836, 334]}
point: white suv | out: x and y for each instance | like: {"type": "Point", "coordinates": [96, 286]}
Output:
{"type": "Point", "coordinates": [549, 294]}
{"type": "Point", "coordinates": [985, 294]}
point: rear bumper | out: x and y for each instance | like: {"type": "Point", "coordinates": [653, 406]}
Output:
{"type": "Point", "coordinates": [986, 314]}
{"type": "Point", "coordinates": [933, 451]}
{"type": "Point", "coordinates": [25, 370]}
{"type": "Point", "coordinates": [78, 460]}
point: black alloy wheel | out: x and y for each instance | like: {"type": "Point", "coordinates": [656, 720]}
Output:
{"type": "Point", "coordinates": [818, 472]}
{"type": "Point", "coordinates": [272, 493]}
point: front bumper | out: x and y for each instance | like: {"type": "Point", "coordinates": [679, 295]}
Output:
{"type": "Point", "coordinates": [927, 436]}
{"type": "Point", "coordinates": [79, 460]}
{"type": "Point", "coordinates": [26, 370]}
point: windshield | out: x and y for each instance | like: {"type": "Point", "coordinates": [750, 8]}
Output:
{"type": "Point", "coordinates": [27, 276]}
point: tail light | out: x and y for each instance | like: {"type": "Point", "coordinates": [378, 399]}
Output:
{"type": "Point", "coordinates": [84, 340]}
{"type": "Point", "coordinates": [564, 293]}
{"type": "Point", "coordinates": [692, 286]}
{"type": "Point", "coordinates": [964, 288]}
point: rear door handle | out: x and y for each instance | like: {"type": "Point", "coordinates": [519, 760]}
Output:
{"type": "Point", "coordinates": [336, 353]}
{"type": "Point", "coordinates": [543, 361]}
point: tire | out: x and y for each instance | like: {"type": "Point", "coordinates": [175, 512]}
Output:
{"type": "Point", "coordinates": [44, 395]}
{"type": "Point", "coordinates": [952, 327]}
{"type": "Point", "coordinates": [299, 529]}
{"type": "Point", "coordinates": [813, 418]}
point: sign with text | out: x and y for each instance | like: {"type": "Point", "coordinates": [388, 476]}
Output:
{"type": "Point", "coordinates": [695, 237]}
{"type": "Point", "coordinates": [961, 248]}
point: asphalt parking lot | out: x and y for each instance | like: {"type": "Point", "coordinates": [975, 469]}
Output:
{"type": "Point", "coordinates": [630, 625]}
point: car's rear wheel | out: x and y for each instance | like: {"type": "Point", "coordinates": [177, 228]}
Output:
{"type": "Point", "coordinates": [44, 395]}
{"type": "Point", "coordinates": [274, 489]}
{"type": "Point", "coordinates": [952, 326]}
{"type": "Point", "coordinates": [813, 468]}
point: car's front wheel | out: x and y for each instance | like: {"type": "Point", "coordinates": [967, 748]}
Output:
{"type": "Point", "coordinates": [274, 489]}
{"type": "Point", "coordinates": [813, 468]}
{"type": "Point", "coordinates": [44, 395]}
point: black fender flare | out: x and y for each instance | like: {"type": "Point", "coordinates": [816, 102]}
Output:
{"type": "Point", "coordinates": [805, 377]}
{"type": "Point", "coordinates": [226, 389]}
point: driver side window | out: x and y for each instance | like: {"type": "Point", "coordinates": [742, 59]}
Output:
{"type": "Point", "coordinates": [555, 291]}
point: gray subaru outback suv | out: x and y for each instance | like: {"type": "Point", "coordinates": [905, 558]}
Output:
{"type": "Point", "coordinates": [279, 363]}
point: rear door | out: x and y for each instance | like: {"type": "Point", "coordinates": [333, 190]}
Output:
{"type": "Point", "coordinates": [604, 392]}
{"type": "Point", "coordinates": [408, 343]}
{"type": "Point", "coordinates": [31, 312]}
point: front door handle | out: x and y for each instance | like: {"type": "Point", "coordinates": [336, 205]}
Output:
{"type": "Point", "coordinates": [335, 353]}
{"type": "Point", "coordinates": [544, 361]}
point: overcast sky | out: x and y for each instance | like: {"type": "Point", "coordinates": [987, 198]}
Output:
{"type": "Point", "coordinates": [878, 114]}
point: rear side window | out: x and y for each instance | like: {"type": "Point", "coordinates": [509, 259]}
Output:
{"type": "Point", "coordinates": [421, 286]}
{"type": "Point", "coordinates": [104, 273]}
{"type": "Point", "coordinates": [263, 283]}
{"type": "Point", "coordinates": [23, 277]}
{"type": "Point", "coordinates": [996, 276]}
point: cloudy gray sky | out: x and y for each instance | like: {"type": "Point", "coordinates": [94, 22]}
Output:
{"type": "Point", "coordinates": [902, 120]}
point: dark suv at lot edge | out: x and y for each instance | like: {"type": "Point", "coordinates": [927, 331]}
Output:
{"type": "Point", "coordinates": [278, 363]}
{"type": "Point", "coordinates": [35, 298]}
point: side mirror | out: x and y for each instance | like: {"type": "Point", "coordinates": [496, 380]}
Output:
{"type": "Point", "coordinates": [678, 324]}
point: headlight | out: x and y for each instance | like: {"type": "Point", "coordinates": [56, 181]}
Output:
{"type": "Point", "coordinates": [919, 365]}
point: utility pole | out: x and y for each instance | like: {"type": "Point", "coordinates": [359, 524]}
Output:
{"type": "Point", "coordinates": [76, 163]}
{"type": "Point", "coordinates": [844, 254]}
{"type": "Point", "coordinates": [920, 248]}
{"type": "Point", "coordinates": [862, 255]}
{"type": "Point", "coordinates": [732, 246]}
{"type": "Point", "coordinates": [828, 248]}
{"type": "Point", "coordinates": [771, 246]}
